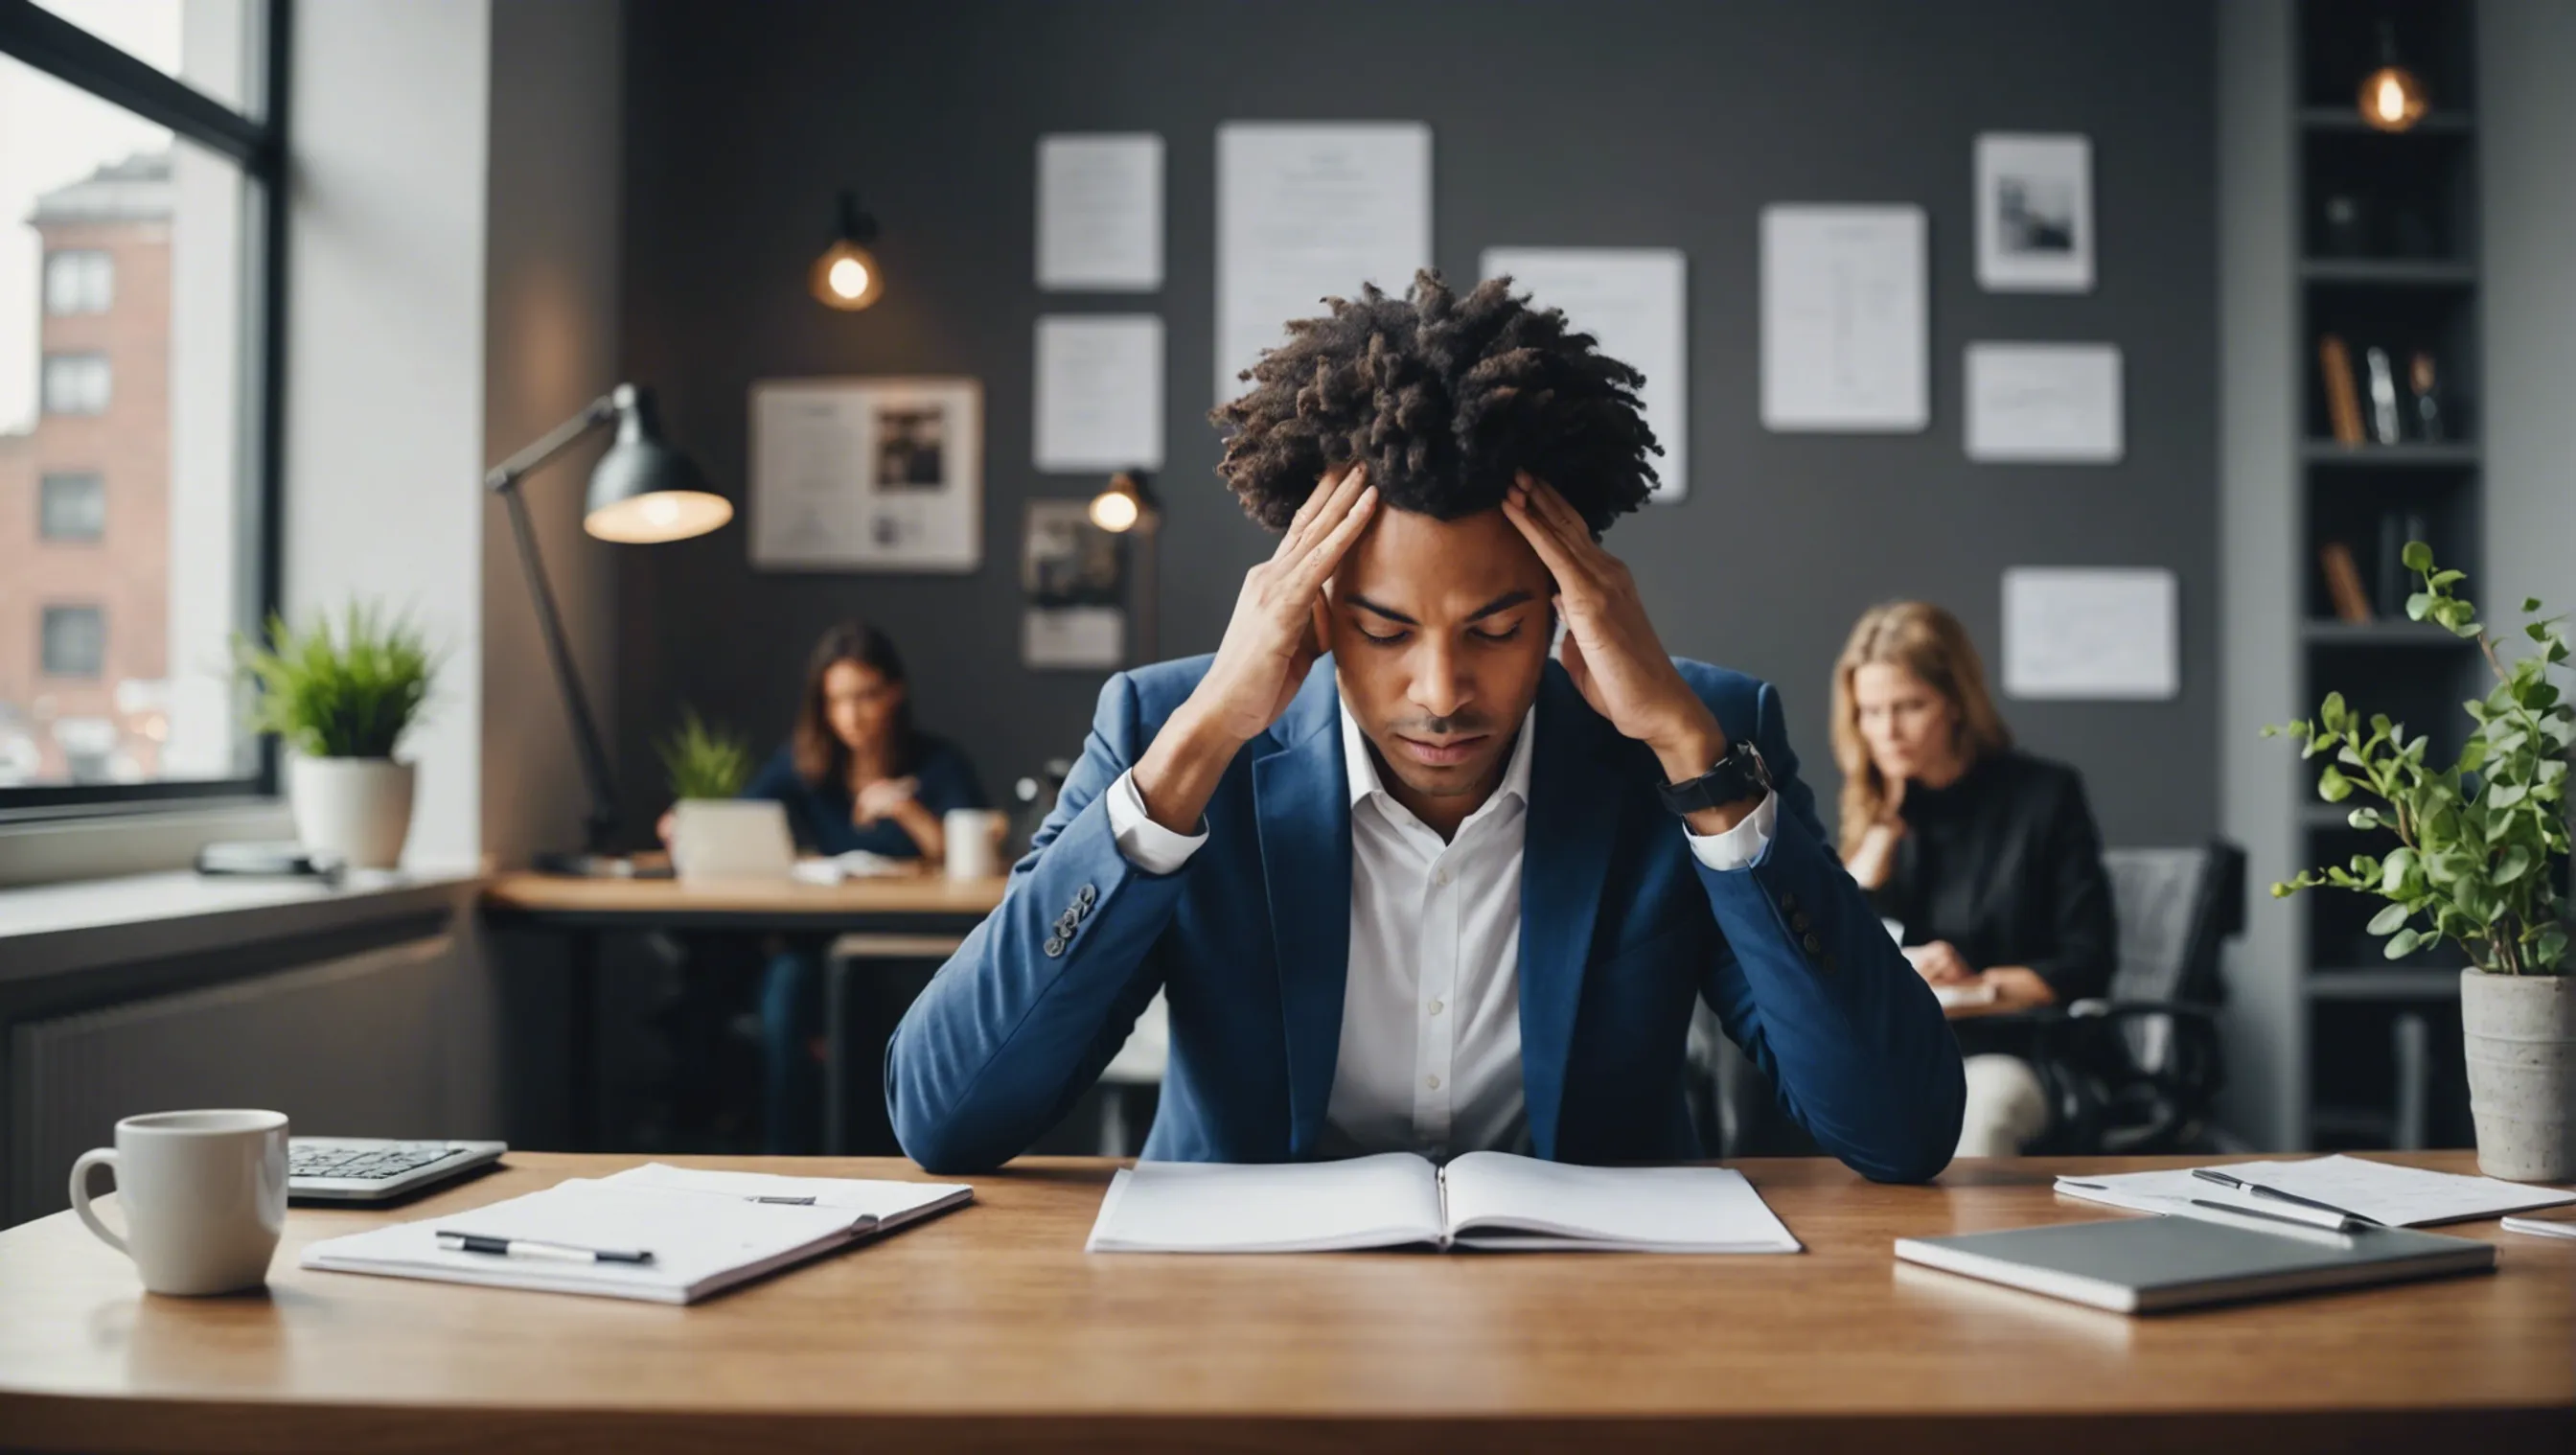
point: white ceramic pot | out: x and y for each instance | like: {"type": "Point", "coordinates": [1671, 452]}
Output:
{"type": "Point", "coordinates": [356, 808]}
{"type": "Point", "coordinates": [2520, 1037]}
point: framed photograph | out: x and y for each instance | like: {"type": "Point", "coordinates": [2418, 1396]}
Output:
{"type": "Point", "coordinates": [2034, 213]}
{"type": "Point", "coordinates": [1074, 576]}
{"type": "Point", "coordinates": [867, 475]}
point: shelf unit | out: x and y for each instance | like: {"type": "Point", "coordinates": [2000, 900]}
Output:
{"type": "Point", "coordinates": [2388, 257]}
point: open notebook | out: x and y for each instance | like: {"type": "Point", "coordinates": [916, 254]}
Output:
{"type": "Point", "coordinates": [1489, 1200]}
{"type": "Point", "coordinates": [707, 1231]}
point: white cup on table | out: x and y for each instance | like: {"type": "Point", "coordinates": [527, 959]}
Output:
{"type": "Point", "coordinates": [974, 842]}
{"type": "Point", "coordinates": [203, 1193]}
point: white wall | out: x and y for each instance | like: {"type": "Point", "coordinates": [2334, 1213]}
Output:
{"type": "Point", "coordinates": [2527, 149]}
{"type": "Point", "coordinates": [384, 430]}
{"type": "Point", "coordinates": [550, 346]}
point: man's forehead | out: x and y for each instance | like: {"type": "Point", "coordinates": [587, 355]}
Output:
{"type": "Point", "coordinates": [1421, 565]}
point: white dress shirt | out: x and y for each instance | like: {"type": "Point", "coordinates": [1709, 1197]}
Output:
{"type": "Point", "coordinates": [1429, 1060]}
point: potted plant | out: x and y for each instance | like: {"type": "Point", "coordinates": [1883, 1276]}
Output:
{"type": "Point", "coordinates": [2482, 845]}
{"type": "Point", "coordinates": [341, 702]}
{"type": "Point", "coordinates": [707, 768]}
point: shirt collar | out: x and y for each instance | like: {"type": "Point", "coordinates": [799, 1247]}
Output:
{"type": "Point", "coordinates": [1362, 768]}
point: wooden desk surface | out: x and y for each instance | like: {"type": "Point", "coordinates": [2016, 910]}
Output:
{"type": "Point", "coordinates": [990, 1326]}
{"type": "Point", "coordinates": [545, 895]}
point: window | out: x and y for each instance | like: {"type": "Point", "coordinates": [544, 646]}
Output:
{"type": "Point", "coordinates": [141, 228]}
{"type": "Point", "coordinates": [74, 642]}
{"type": "Point", "coordinates": [76, 383]}
{"type": "Point", "coordinates": [79, 280]}
{"type": "Point", "coordinates": [71, 506]}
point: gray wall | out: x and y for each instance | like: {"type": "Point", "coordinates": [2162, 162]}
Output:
{"type": "Point", "coordinates": [1642, 123]}
{"type": "Point", "coordinates": [2527, 150]}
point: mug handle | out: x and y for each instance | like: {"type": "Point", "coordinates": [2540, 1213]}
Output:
{"type": "Point", "coordinates": [95, 1157]}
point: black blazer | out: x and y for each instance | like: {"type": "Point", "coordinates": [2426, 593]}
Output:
{"type": "Point", "coordinates": [2006, 865]}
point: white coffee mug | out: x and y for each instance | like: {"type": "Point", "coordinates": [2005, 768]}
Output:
{"type": "Point", "coordinates": [974, 842]}
{"type": "Point", "coordinates": [204, 1195]}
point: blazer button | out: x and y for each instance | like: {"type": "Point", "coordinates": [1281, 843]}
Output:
{"type": "Point", "coordinates": [1054, 947]}
{"type": "Point", "coordinates": [1814, 945]}
{"type": "Point", "coordinates": [1802, 922]}
{"type": "Point", "coordinates": [1788, 901]}
{"type": "Point", "coordinates": [1086, 896]}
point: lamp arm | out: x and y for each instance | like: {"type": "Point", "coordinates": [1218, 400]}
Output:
{"type": "Point", "coordinates": [599, 825]}
{"type": "Point", "coordinates": [554, 442]}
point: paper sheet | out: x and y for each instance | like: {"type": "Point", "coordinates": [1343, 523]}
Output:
{"type": "Point", "coordinates": [2034, 213]}
{"type": "Point", "coordinates": [1844, 319]}
{"type": "Point", "coordinates": [1633, 301]}
{"type": "Point", "coordinates": [2090, 633]}
{"type": "Point", "coordinates": [2400, 1197]}
{"type": "Point", "coordinates": [2034, 403]}
{"type": "Point", "coordinates": [1099, 392]}
{"type": "Point", "coordinates": [1306, 212]}
{"type": "Point", "coordinates": [1100, 212]}
{"type": "Point", "coordinates": [867, 474]}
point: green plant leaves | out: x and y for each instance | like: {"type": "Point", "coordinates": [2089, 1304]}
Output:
{"type": "Point", "coordinates": [703, 761]}
{"type": "Point", "coordinates": [344, 694]}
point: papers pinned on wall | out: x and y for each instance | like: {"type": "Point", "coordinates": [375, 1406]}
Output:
{"type": "Point", "coordinates": [1632, 300]}
{"type": "Point", "coordinates": [2034, 213]}
{"type": "Point", "coordinates": [1306, 212]}
{"type": "Point", "coordinates": [1099, 392]}
{"type": "Point", "coordinates": [1844, 320]}
{"type": "Point", "coordinates": [2101, 632]}
{"type": "Point", "coordinates": [1100, 212]}
{"type": "Point", "coordinates": [867, 474]}
{"type": "Point", "coordinates": [2044, 403]}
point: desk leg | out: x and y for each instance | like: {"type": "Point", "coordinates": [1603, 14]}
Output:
{"type": "Point", "coordinates": [581, 1040]}
{"type": "Point", "coordinates": [837, 1010]}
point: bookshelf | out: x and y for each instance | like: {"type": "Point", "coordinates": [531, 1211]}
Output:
{"type": "Point", "coordinates": [2388, 263]}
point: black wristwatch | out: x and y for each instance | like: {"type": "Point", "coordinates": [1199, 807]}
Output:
{"type": "Point", "coordinates": [1739, 775]}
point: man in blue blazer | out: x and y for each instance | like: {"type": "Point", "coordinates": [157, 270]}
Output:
{"type": "Point", "coordinates": [1408, 881]}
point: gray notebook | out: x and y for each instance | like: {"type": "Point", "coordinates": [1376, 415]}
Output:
{"type": "Point", "coordinates": [2147, 1265]}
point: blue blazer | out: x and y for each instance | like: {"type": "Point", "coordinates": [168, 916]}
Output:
{"type": "Point", "coordinates": [1621, 926]}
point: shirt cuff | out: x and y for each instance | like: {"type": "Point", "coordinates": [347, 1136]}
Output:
{"type": "Point", "coordinates": [1737, 848]}
{"type": "Point", "coordinates": [1146, 844]}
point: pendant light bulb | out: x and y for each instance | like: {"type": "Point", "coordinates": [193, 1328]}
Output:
{"type": "Point", "coordinates": [847, 276]}
{"type": "Point", "coordinates": [2392, 98]}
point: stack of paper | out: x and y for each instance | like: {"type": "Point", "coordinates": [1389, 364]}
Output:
{"type": "Point", "coordinates": [707, 1231]}
{"type": "Point", "coordinates": [2392, 1196]}
{"type": "Point", "coordinates": [1487, 1200]}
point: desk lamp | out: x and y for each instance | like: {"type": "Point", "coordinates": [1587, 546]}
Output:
{"type": "Point", "coordinates": [642, 492]}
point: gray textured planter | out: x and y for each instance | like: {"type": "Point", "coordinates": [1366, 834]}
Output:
{"type": "Point", "coordinates": [2521, 1042]}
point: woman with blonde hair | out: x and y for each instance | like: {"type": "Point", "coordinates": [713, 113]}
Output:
{"type": "Point", "coordinates": [1983, 859]}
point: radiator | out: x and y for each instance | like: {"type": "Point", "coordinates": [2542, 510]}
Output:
{"type": "Point", "coordinates": [357, 1046]}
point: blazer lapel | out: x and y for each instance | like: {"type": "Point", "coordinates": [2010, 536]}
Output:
{"type": "Point", "coordinates": [1301, 797]}
{"type": "Point", "coordinates": [1573, 824]}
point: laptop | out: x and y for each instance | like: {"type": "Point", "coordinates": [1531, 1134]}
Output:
{"type": "Point", "coordinates": [732, 839]}
{"type": "Point", "coordinates": [378, 1169]}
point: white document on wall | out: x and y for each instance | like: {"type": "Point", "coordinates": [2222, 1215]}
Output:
{"type": "Point", "coordinates": [1100, 212]}
{"type": "Point", "coordinates": [2091, 632]}
{"type": "Point", "coordinates": [1306, 212]}
{"type": "Point", "coordinates": [1099, 392]}
{"type": "Point", "coordinates": [1634, 302]}
{"type": "Point", "coordinates": [2044, 403]}
{"type": "Point", "coordinates": [1845, 319]}
{"type": "Point", "coordinates": [867, 474]}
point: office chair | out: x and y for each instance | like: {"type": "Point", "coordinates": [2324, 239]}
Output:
{"type": "Point", "coordinates": [2137, 1071]}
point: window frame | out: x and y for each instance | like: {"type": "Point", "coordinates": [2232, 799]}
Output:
{"type": "Point", "coordinates": [101, 259]}
{"type": "Point", "coordinates": [46, 480]}
{"type": "Point", "coordinates": [46, 402]}
{"type": "Point", "coordinates": [48, 43]}
{"type": "Point", "coordinates": [46, 615]}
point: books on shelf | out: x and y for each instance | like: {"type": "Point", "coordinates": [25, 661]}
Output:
{"type": "Point", "coordinates": [2343, 396]}
{"type": "Point", "coordinates": [2343, 583]}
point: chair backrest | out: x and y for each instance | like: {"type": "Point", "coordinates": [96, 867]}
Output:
{"type": "Point", "coordinates": [2175, 908]}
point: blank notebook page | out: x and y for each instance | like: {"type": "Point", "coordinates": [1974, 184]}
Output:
{"type": "Point", "coordinates": [1299, 1207]}
{"type": "Point", "coordinates": [1496, 1199]}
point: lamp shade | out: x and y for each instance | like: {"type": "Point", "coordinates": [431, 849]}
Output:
{"type": "Point", "coordinates": [643, 491]}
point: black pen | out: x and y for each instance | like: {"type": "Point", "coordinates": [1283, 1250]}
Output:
{"type": "Point", "coordinates": [538, 1248]}
{"type": "Point", "coordinates": [2256, 1189]}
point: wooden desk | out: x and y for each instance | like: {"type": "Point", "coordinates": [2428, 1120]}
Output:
{"type": "Point", "coordinates": [585, 909]}
{"type": "Point", "coordinates": [990, 1327]}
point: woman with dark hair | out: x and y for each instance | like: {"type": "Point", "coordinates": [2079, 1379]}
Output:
{"type": "Point", "coordinates": [855, 774]}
